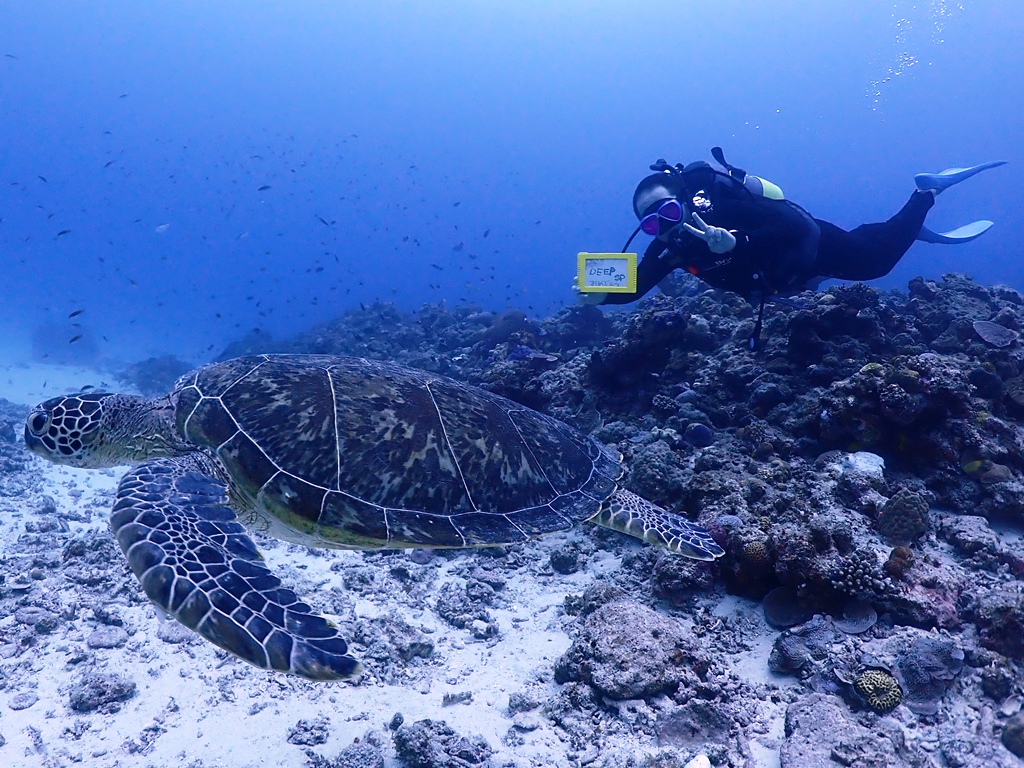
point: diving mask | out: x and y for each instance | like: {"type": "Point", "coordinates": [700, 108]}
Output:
{"type": "Point", "coordinates": [671, 211]}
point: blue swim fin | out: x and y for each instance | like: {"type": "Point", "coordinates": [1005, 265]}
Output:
{"type": "Point", "coordinates": [947, 178]}
{"type": "Point", "coordinates": [963, 234]}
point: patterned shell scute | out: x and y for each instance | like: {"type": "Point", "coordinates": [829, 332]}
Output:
{"type": "Point", "coordinates": [437, 455]}
{"type": "Point", "coordinates": [285, 409]}
{"type": "Point", "coordinates": [416, 441]}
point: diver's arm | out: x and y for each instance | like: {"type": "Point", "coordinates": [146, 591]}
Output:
{"type": "Point", "coordinates": [652, 269]}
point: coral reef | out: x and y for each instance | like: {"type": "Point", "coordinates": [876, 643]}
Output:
{"type": "Point", "coordinates": [865, 475]}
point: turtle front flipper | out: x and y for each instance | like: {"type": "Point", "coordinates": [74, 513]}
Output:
{"type": "Point", "coordinates": [195, 561]}
{"type": "Point", "coordinates": [626, 512]}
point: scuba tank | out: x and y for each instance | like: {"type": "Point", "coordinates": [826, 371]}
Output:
{"type": "Point", "coordinates": [757, 185]}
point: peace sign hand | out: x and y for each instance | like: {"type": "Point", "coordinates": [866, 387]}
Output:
{"type": "Point", "coordinates": [719, 240]}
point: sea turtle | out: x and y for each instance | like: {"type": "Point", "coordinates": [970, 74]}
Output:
{"type": "Point", "coordinates": [327, 452]}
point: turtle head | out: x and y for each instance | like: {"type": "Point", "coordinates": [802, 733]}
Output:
{"type": "Point", "coordinates": [100, 429]}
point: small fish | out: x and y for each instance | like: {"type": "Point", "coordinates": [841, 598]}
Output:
{"type": "Point", "coordinates": [323, 221]}
{"type": "Point", "coordinates": [264, 188]}
{"type": "Point", "coordinates": [123, 96]}
{"type": "Point", "coordinates": [43, 179]}
{"type": "Point", "coordinates": [458, 247]}
{"type": "Point", "coordinates": [438, 267]}
{"type": "Point", "coordinates": [86, 388]}
{"type": "Point", "coordinates": [73, 339]}
{"type": "Point", "coordinates": [456, 205]}
{"type": "Point", "coordinates": [162, 228]}
{"type": "Point", "coordinates": [76, 313]}
{"type": "Point", "coordinates": [108, 163]}
{"type": "Point", "coordinates": [10, 56]}
{"type": "Point", "coordinates": [487, 232]}
{"type": "Point", "coordinates": [64, 232]}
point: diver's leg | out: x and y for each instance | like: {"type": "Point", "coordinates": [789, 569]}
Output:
{"type": "Point", "coordinates": [871, 250]}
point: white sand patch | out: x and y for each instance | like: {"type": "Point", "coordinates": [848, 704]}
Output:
{"type": "Point", "coordinates": [752, 665]}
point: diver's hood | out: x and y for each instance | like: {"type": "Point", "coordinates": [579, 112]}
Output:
{"type": "Point", "coordinates": [667, 182]}
{"type": "Point", "coordinates": [653, 189]}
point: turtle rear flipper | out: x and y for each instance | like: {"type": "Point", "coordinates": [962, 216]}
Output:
{"type": "Point", "coordinates": [628, 513]}
{"type": "Point", "coordinates": [195, 561]}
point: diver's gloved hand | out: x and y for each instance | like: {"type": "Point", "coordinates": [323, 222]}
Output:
{"type": "Point", "coordinates": [588, 298]}
{"type": "Point", "coordinates": [719, 240]}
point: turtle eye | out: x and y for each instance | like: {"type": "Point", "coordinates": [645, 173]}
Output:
{"type": "Point", "coordinates": [38, 423]}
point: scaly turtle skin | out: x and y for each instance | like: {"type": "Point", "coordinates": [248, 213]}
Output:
{"type": "Point", "coordinates": [327, 452]}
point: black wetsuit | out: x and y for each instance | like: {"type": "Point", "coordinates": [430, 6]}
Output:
{"type": "Point", "coordinates": [780, 248]}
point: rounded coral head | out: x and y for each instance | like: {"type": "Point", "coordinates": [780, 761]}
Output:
{"type": "Point", "coordinates": [879, 689]}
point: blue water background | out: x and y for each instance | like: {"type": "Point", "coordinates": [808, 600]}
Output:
{"type": "Point", "coordinates": [458, 151]}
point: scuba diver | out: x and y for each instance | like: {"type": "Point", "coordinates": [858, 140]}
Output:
{"type": "Point", "coordinates": [737, 232]}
